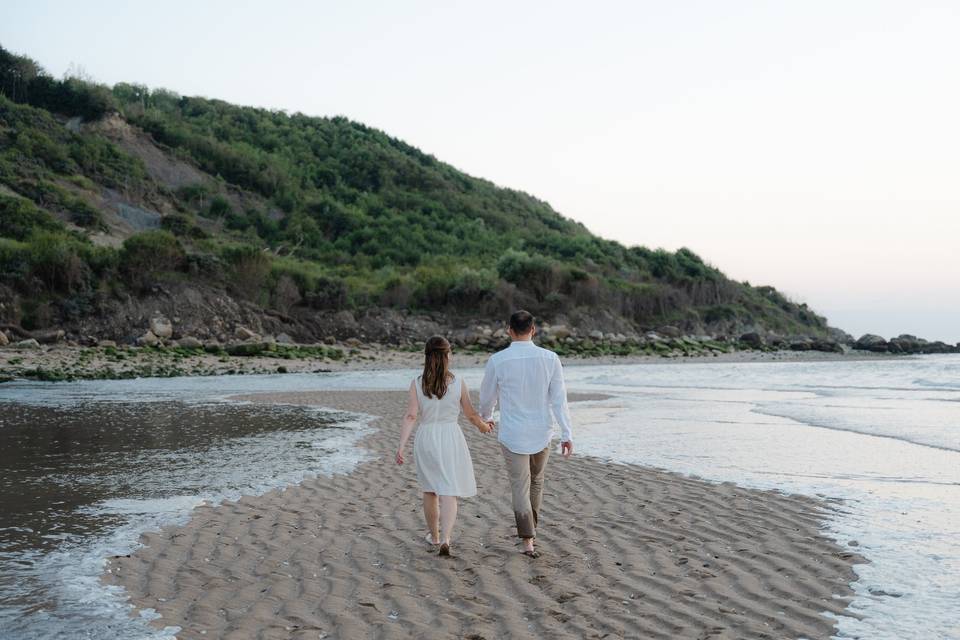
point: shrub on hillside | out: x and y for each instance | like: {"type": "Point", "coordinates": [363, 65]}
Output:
{"type": "Point", "coordinates": [329, 293]}
{"type": "Point", "coordinates": [55, 259]}
{"type": "Point", "coordinates": [473, 287]}
{"type": "Point", "coordinates": [722, 313]}
{"type": "Point", "coordinates": [397, 292]}
{"type": "Point", "coordinates": [14, 260]}
{"type": "Point", "coordinates": [285, 294]}
{"type": "Point", "coordinates": [19, 218]}
{"type": "Point", "coordinates": [85, 215]}
{"type": "Point", "coordinates": [148, 254]}
{"type": "Point", "coordinates": [206, 265]}
{"type": "Point", "coordinates": [248, 268]}
{"type": "Point", "coordinates": [303, 274]}
{"type": "Point", "coordinates": [579, 287]}
{"type": "Point", "coordinates": [219, 207]}
{"type": "Point", "coordinates": [431, 287]}
{"type": "Point", "coordinates": [102, 261]}
{"type": "Point", "coordinates": [196, 195]}
{"type": "Point", "coordinates": [36, 144]}
{"type": "Point", "coordinates": [178, 224]}
{"type": "Point", "coordinates": [537, 274]}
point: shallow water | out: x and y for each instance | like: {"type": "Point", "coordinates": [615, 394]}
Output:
{"type": "Point", "coordinates": [82, 479]}
{"type": "Point", "coordinates": [112, 459]}
{"type": "Point", "coordinates": [882, 435]}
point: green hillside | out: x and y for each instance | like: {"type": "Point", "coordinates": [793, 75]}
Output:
{"type": "Point", "coordinates": [108, 193]}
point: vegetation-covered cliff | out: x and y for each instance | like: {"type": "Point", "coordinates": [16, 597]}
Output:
{"type": "Point", "coordinates": [119, 202]}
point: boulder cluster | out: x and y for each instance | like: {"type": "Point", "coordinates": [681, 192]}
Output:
{"type": "Point", "coordinates": [242, 342]}
{"type": "Point", "coordinates": [904, 343]}
{"type": "Point", "coordinates": [776, 342]}
{"type": "Point", "coordinates": [20, 339]}
{"type": "Point", "coordinates": [841, 342]}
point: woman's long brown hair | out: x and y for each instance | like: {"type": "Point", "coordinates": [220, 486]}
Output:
{"type": "Point", "coordinates": [436, 373]}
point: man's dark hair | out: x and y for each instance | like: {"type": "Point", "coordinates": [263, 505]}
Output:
{"type": "Point", "coordinates": [521, 322]}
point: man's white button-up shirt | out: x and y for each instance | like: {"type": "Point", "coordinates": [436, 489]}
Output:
{"type": "Point", "coordinates": [528, 380]}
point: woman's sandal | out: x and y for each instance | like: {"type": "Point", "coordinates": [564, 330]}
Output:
{"type": "Point", "coordinates": [531, 554]}
{"type": "Point", "coordinates": [444, 550]}
{"type": "Point", "coordinates": [429, 539]}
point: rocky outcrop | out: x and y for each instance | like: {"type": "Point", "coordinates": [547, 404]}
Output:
{"type": "Point", "coordinates": [344, 321]}
{"type": "Point", "coordinates": [560, 331]}
{"type": "Point", "coordinates": [189, 342]}
{"type": "Point", "coordinates": [242, 333]}
{"type": "Point", "coordinates": [246, 348]}
{"type": "Point", "coordinates": [872, 342]}
{"type": "Point", "coordinates": [161, 327]}
{"type": "Point", "coordinates": [148, 339]}
{"type": "Point", "coordinates": [940, 347]}
{"type": "Point", "coordinates": [753, 340]}
{"type": "Point", "coordinates": [43, 336]}
{"type": "Point", "coordinates": [777, 341]}
{"type": "Point", "coordinates": [828, 345]}
{"type": "Point", "coordinates": [670, 331]}
{"type": "Point", "coordinates": [48, 336]}
{"type": "Point", "coordinates": [906, 343]}
{"type": "Point", "coordinates": [840, 336]}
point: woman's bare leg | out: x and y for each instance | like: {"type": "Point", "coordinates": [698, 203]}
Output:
{"type": "Point", "coordinates": [431, 513]}
{"type": "Point", "coordinates": [448, 516]}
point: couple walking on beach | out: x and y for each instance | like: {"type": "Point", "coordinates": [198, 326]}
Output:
{"type": "Point", "coordinates": [527, 380]}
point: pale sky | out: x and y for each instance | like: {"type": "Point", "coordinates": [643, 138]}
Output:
{"type": "Point", "coordinates": [813, 146]}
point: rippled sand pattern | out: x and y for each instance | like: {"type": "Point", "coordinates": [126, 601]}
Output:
{"type": "Point", "coordinates": [629, 552]}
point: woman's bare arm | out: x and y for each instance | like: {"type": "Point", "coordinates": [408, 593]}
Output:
{"type": "Point", "coordinates": [409, 420]}
{"type": "Point", "coordinates": [470, 412]}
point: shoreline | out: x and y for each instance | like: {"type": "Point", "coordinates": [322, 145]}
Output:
{"type": "Point", "coordinates": [629, 551]}
{"type": "Point", "coordinates": [61, 362]}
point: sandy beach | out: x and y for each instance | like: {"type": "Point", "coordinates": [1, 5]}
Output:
{"type": "Point", "coordinates": [629, 552]}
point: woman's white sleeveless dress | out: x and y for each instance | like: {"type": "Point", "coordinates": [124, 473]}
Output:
{"type": "Point", "coordinates": [439, 448]}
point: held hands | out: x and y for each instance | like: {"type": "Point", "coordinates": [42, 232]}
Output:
{"type": "Point", "coordinates": [488, 426]}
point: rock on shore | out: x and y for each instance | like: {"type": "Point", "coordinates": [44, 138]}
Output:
{"type": "Point", "coordinates": [904, 343]}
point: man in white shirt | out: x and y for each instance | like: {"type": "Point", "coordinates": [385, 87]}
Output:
{"type": "Point", "coordinates": [528, 381]}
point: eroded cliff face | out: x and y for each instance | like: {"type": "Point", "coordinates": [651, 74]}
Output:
{"type": "Point", "coordinates": [201, 316]}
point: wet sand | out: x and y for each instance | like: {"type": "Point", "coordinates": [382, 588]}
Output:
{"type": "Point", "coordinates": [628, 552]}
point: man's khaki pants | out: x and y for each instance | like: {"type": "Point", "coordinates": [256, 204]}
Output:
{"type": "Point", "coordinates": [526, 482]}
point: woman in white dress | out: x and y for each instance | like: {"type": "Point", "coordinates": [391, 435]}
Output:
{"type": "Point", "coordinates": [444, 468]}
